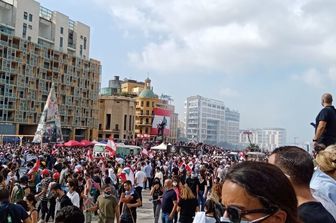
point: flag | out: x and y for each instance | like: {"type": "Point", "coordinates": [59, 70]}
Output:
{"type": "Point", "coordinates": [89, 155]}
{"type": "Point", "coordinates": [127, 174]}
{"type": "Point", "coordinates": [144, 152]}
{"type": "Point", "coordinates": [111, 147]}
{"type": "Point", "coordinates": [35, 168]}
{"type": "Point", "coordinates": [161, 117]}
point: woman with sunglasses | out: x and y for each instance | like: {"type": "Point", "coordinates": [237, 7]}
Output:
{"type": "Point", "coordinates": [258, 192]}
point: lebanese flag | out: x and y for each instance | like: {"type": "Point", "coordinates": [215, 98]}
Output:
{"type": "Point", "coordinates": [161, 115]}
{"type": "Point", "coordinates": [89, 155]}
{"type": "Point", "coordinates": [111, 147]}
{"type": "Point", "coordinates": [144, 152]}
{"type": "Point", "coordinates": [35, 167]}
{"type": "Point", "coordinates": [127, 174]}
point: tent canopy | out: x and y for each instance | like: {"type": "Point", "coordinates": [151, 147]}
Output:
{"type": "Point", "coordinates": [72, 143]}
{"type": "Point", "coordinates": [85, 142]}
{"type": "Point", "coordinates": [162, 146]}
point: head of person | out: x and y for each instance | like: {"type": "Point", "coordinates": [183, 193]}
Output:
{"type": "Point", "coordinates": [24, 204]}
{"type": "Point", "coordinates": [156, 183]}
{"type": "Point", "coordinates": [210, 206]}
{"type": "Point", "coordinates": [295, 163]}
{"type": "Point", "coordinates": [71, 185]}
{"type": "Point", "coordinates": [107, 190]}
{"type": "Point", "coordinates": [31, 200]}
{"type": "Point", "coordinates": [45, 173]}
{"type": "Point", "coordinates": [56, 190]}
{"type": "Point", "coordinates": [4, 195]}
{"type": "Point", "coordinates": [69, 214]}
{"type": "Point", "coordinates": [127, 185]}
{"type": "Point", "coordinates": [23, 180]}
{"type": "Point", "coordinates": [326, 161]}
{"type": "Point", "coordinates": [186, 193]}
{"type": "Point", "coordinates": [258, 192]}
{"type": "Point", "coordinates": [326, 99]}
{"type": "Point", "coordinates": [168, 183]}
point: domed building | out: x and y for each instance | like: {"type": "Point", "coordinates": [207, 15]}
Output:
{"type": "Point", "coordinates": [145, 103]}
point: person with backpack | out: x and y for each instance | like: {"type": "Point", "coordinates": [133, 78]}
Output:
{"type": "Point", "coordinates": [20, 190]}
{"type": "Point", "coordinates": [11, 213]}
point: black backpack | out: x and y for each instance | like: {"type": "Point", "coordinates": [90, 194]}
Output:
{"type": "Point", "coordinates": [8, 211]}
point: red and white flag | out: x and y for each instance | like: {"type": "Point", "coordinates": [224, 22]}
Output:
{"type": "Point", "coordinates": [89, 155]}
{"type": "Point", "coordinates": [111, 147]}
{"type": "Point", "coordinates": [35, 168]}
{"type": "Point", "coordinates": [144, 152]}
{"type": "Point", "coordinates": [161, 116]}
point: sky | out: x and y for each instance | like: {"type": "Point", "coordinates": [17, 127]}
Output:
{"type": "Point", "coordinates": [269, 59]}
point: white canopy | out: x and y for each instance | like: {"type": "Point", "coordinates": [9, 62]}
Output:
{"type": "Point", "coordinates": [162, 146]}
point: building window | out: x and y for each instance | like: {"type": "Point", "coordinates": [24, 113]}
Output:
{"type": "Point", "coordinates": [30, 27]}
{"type": "Point", "coordinates": [24, 30]}
{"type": "Point", "coordinates": [61, 42]}
{"type": "Point", "coordinates": [130, 123]}
{"type": "Point", "coordinates": [29, 38]}
{"type": "Point", "coordinates": [142, 103]}
{"type": "Point", "coordinates": [25, 15]}
{"type": "Point", "coordinates": [117, 128]}
{"type": "Point", "coordinates": [125, 122]}
{"type": "Point", "coordinates": [147, 103]}
{"type": "Point", "coordinates": [84, 43]}
{"type": "Point", "coordinates": [30, 17]}
{"type": "Point", "coordinates": [62, 30]}
{"type": "Point", "coordinates": [108, 121]}
{"type": "Point", "coordinates": [81, 50]}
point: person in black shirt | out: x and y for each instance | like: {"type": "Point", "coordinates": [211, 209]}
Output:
{"type": "Point", "coordinates": [193, 183]}
{"type": "Point", "coordinates": [61, 197]}
{"type": "Point", "coordinates": [325, 126]}
{"type": "Point", "coordinates": [203, 190]}
{"type": "Point", "coordinates": [298, 166]}
{"type": "Point", "coordinates": [187, 206]}
{"type": "Point", "coordinates": [169, 202]}
{"type": "Point", "coordinates": [156, 193]}
{"type": "Point", "coordinates": [131, 201]}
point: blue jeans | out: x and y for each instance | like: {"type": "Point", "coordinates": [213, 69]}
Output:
{"type": "Point", "coordinates": [201, 200]}
{"type": "Point", "coordinates": [165, 218]}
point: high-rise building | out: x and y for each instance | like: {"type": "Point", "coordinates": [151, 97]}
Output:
{"type": "Point", "coordinates": [209, 121]}
{"type": "Point", "coordinates": [37, 47]}
{"type": "Point", "coordinates": [267, 138]}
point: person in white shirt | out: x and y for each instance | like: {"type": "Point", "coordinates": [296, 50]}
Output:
{"type": "Point", "coordinates": [140, 179]}
{"type": "Point", "coordinates": [72, 194]}
{"type": "Point", "coordinates": [159, 174]}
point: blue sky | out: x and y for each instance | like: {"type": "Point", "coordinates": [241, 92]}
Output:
{"type": "Point", "coordinates": [270, 59]}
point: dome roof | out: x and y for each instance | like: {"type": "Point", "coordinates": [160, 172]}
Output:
{"type": "Point", "coordinates": [147, 93]}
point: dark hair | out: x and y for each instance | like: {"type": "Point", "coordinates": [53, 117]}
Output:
{"type": "Point", "coordinates": [128, 182]}
{"type": "Point", "coordinates": [31, 197]}
{"type": "Point", "coordinates": [70, 214]}
{"type": "Point", "coordinates": [295, 162]}
{"type": "Point", "coordinates": [23, 204]}
{"type": "Point", "coordinates": [4, 195]}
{"type": "Point", "coordinates": [268, 184]}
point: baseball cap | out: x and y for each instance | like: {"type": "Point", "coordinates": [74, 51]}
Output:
{"type": "Point", "coordinates": [56, 176]}
{"type": "Point", "coordinates": [45, 172]}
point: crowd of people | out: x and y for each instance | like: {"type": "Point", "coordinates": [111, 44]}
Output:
{"type": "Point", "coordinates": [205, 185]}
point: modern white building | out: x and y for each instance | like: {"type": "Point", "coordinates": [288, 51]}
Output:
{"type": "Point", "coordinates": [267, 138]}
{"type": "Point", "coordinates": [209, 121]}
{"type": "Point", "coordinates": [30, 21]}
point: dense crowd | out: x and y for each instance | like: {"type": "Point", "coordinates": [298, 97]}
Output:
{"type": "Point", "coordinates": [52, 184]}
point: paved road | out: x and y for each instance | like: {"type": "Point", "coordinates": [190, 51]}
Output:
{"type": "Point", "coordinates": [144, 213]}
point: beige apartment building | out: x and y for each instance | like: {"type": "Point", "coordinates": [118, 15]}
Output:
{"type": "Point", "coordinates": [39, 47]}
{"type": "Point", "coordinates": [116, 117]}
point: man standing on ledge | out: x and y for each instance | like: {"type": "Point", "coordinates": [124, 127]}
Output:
{"type": "Point", "coordinates": [325, 127]}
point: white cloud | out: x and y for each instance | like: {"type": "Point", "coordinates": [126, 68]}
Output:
{"type": "Point", "coordinates": [229, 36]}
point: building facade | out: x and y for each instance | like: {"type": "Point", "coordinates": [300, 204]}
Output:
{"type": "Point", "coordinates": [39, 47]}
{"type": "Point", "coordinates": [209, 121]}
{"type": "Point", "coordinates": [116, 117]}
{"type": "Point", "coordinates": [145, 103]}
{"type": "Point", "coordinates": [267, 139]}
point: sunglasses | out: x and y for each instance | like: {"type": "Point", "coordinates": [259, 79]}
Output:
{"type": "Point", "coordinates": [235, 214]}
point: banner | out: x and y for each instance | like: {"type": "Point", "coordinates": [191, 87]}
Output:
{"type": "Point", "coordinates": [49, 127]}
{"type": "Point", "coordinates": [161, 120]}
